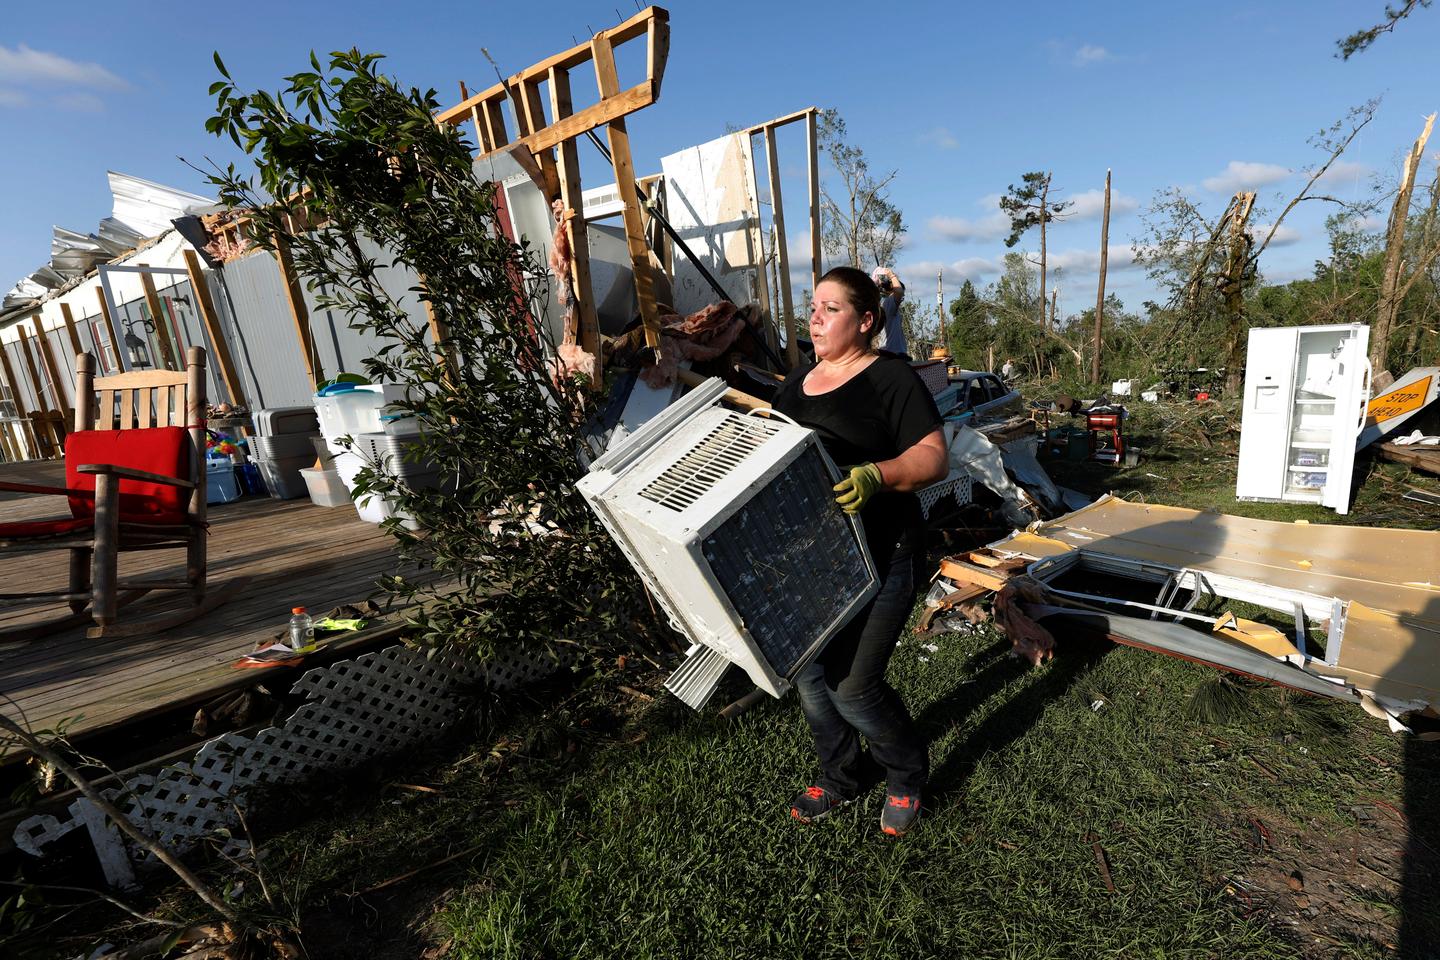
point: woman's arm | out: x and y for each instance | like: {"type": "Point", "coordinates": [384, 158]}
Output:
{"type": "Point", "coordinates": [923, 464]}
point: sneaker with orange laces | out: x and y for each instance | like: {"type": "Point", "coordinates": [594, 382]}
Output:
{"type": "Point", "coordinates": [899, 814]}
{"type": "Point", "coordinates": [812, 803]}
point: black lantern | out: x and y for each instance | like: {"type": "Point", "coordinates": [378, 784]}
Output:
{"type": "Point", "coordinates": [138, 350]}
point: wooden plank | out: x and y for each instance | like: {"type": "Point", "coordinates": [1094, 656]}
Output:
{"type": "Point", "coordinates": [295, 297]}
{"type": "Point", "coordinates": [567, 164]}
{"type": "Point", "coordinates": [162, 328]}
{"type": "Point", "coordinates": [777, 207]}
{"type": "Point", "coordinates": [62, 398]}
{"type": "Point", "coordinates": [474, 118]}
{"type": "Point", "coordinates": [140, 378]}
{"type": "Point", "coordinates": [70, 328]}
{"type": "Point", "coordinates": [533, 110]}
{"type": "Point", "coordinates": [611, 108]}
{"type": "Point", "coordinates": [37, 385]}
{"type": "Point", "coordinates": [954, 568]}
{"type": "Point", "coordinates": [116, 345]}
{"type": "Point", "coordinates": [812, 147]}
{"type": "Point", "coordinates": [146, 405]}
{"type": "Point", "coordinates": [495, 125]}
{"type": "Point", "coordinates": [106, 418]}
{"type": "Point", "coordinates": [219, 347]}
{"type": "Point", "coordinates": [789, 118]}
{"type": "Point", "coordinates": [127, 410]}
{"type": "Point", "coordinates": [567, 60]}
{"type": "Point", "coordinates": [619, 137]}
{"type": "Point", "coordinates": [735, 398]}
{"type": "Point", "coordinates": [1421, 458]}
{"type": "Point", "coordinates": [989, 560]}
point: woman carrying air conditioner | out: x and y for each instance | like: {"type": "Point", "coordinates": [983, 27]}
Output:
{"type": "Point", "coordinates": [875, 417]}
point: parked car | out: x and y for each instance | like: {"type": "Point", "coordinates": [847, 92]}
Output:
{"type": "Point", "coordinates": [975, 393]}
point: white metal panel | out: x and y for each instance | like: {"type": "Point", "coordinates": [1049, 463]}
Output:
{"type": "Point", "coordinates": [1265, 420]}
{"type": "Point", "coordinates": [711, 202]}
{"type": "Point", "coordinates": [1351, 396]}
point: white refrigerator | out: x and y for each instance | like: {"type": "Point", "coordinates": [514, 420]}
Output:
{"type": "Point", "coordinates": [1305, 394]}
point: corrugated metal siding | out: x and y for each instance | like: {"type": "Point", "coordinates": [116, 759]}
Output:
{"type": "Point", "coordinates": [264, 343]}
{"type": "Point", "coordinates": [22, 376]}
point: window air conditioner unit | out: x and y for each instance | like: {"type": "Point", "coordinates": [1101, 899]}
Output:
{"type": "Point", "coordinates": [731, 521]}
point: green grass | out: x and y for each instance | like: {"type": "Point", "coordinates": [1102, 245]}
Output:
{"type": "Point", "coordinates": [677, 843]}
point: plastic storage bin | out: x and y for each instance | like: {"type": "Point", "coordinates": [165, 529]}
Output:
{"type": "Point", "coordinates": [325, 488]}
{"type": "Point", "coordinates": [285, 446]}
{"type": "Point", "coordinates": [220, 485]}
{"type": "Point", "coordinates": [360, 409]}
{"type": "Point", "coordinates": [276, 421]}
{"type": "Point", "coordinates": [282, 477]}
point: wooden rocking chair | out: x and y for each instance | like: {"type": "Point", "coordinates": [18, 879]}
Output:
{"type": "Point", "coordinates": [135, 480]}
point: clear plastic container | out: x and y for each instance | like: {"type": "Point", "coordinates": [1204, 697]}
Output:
{"type": "Point", "coordinates": [302, 630]}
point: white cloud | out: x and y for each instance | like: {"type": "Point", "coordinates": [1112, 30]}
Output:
{"type": "Point", "coordinates": [1344, 173]}
{"type": "Point", "coordinates": [1078, 54]}
{"type": "Point", "coordinates": [1284, 236]}
{"type": "Point", "coordinates": [38, 68]}
{"type": "Point", "coordinates": [1284, 275]}
{"type": "Point", "coordinates": [919, 275]}
{"type": "Point", "coordinates": [963, 229]}
{"type": "Point", "coordinates": [1090, 205]}
{"type": "Point", "coordinates": [1087, 261]}
{"type": "Point", "coordinates": [940, 138]}
{"type": "Point", "coordinates": [13, 98]}
{"type": "Point", "coordinates": [1245, 175]}
{"type": "Point", "coordinates": [973, 268]}
{"type": "Point", "coordinates": [80, 102]}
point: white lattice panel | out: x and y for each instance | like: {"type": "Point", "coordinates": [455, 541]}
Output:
{"type": "Point", "coordinates": [958, 487]}
{"type": "Point", "coordinates": [355, 710]}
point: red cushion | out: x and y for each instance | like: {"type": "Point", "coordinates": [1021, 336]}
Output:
{"type": "Point", "coordinates": [24, 529]}
{"type": "Point", "coordinates": [163, 450]}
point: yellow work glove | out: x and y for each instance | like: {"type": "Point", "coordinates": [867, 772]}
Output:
{"type": "Point", "coordinates": [860, 484]}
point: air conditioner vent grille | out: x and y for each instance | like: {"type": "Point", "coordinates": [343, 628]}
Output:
{"type": "Point", "coordinates": [708, 462]}
{"type": "Point", "coordinates": [789, 563]}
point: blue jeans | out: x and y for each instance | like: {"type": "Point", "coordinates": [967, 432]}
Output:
{"type": "Point", "coordinates": [844, 695]}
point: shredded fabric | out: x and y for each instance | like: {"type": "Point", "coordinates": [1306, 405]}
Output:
{"type": "Point", "coordinates": [704, 335]}
{"type": "Point", "coordinates": [572, 359]}
{"type": "Point", "coordinates": [1027, 638]}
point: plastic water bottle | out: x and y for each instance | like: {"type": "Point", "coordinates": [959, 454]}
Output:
{"type": "Point", "coordinates": [302, 630]}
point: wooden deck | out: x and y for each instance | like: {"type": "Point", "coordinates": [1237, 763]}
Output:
{"type": "Point", "coordinates": [292, 552]}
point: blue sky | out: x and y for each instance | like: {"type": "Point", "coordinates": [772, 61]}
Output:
{"type": "Point", "coordinates": [959, 99]}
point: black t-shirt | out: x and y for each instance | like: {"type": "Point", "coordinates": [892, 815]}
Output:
{"type": "Point", "coordinates": [876, 415]}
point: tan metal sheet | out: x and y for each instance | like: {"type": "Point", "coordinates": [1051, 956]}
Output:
{"type": "Point", "coordinates": [1392, 570]}
{"type": "Point", "coordinates": [1392, 636]}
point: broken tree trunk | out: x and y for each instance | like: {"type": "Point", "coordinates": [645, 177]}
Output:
{"type": "Point", "coordinates": [1392, 290]}
{"type": "Point", "coordinates": [1100, 296]}
{"type": "Point", "coordinates": [1232, 287]}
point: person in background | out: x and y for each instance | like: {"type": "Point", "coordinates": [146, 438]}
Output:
{"type": "Point", "coordinates": [872, 413]}
{"type": "Point", "coordinates": [1007, 372]}
{"type": "Point", "coordinates": [892, 334]}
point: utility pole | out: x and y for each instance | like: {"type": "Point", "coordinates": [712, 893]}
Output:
{"type": "Point", "coordinates": [1100, 296]}
{"type": "Point", "coordinates": [940, 304]}
{"type": "Point", "coordinates": [1044, 199]}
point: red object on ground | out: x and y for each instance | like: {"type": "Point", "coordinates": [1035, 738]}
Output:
{"type": "Point", "coordinates": [1201, 397]}
{"type": "Point", "coordinates": [1105, 451]}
